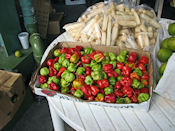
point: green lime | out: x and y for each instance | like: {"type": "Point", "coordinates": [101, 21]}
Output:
{"type": "Point", "coordinates": [171, 29]}
{"type": "Point", "coordinates": [171, 43]}
{"type": "Point", "coordinates": [18, 53]}
{"type": "Point", "coordinates": [164, 43]}
{"type": "Point", "coordinates": [162, 68]}
{"type": "Point", "coordinates": [164, 54]}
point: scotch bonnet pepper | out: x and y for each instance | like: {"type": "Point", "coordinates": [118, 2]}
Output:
{"type": "Point", "coordinates": [112, 81]}
{"type": "Point", "coordinates": [126, 81]}
{"type": "Point", "coordinates": [110, 98]}
{"type": "Point", "coordinates": [45, 85]}
{"type": "Point", "coordinates": [71, 67]}
{"type": "Point", "coordinates": [108, 68]}
{"type": "Point", "coordinates": [98, 57]}
{"type": "Point", "coordinates": [138, 71]}
{"type": "Point", "coordinates": [78, 93]}
{"type": "Point", "coordinates": [96, 67]}
{"type": "Point", "coordinates": [77, 84]}
{"type": "Point", "coordinates": [100, 97]}
{"type": "Point", "coordinates": [96, 75]}
{"type": "Point", "coordinates": [42, 79]}
{"type": "Point", "coordinates": [80, 70]}
{"type": "Point", "coordinates": [57, 66]}
{"type": "Point", "coordinates": [61, 58]}
{"type": "Point", "coordinates": [64, 89]}
{"type": "Point", "coordinates": [88, 50]}
{"type": "Point", "coordinates": [44, 71]}
{"type": "Point", "coordinates": [108, 90]}
{"type": "Point", "coordinates": [88, 80]}
{"type": "Point", "coordinates": [57, 52]}
{"type": "Point", "coordinates": [112, 56]}
{"type": "Point", "coordinates": [74, 58]}
{"type": "Point", "coordinates": [143, 97]}
{"type": "Point", "coordinates": [65, 63]}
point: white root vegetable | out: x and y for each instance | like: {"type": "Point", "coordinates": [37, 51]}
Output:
{"type": "Point", "coordinates": [137, 19]}
{"type": "Point", "coordinates": [115, 30]}
{"type": "Point", "coordinates": [109, 28]}
{"type": "Point", "coordinates": [97, 30]}
{"type": "Point", "coordinates": [103, 39]}
{"type": "Point", "coordinates": [120, 7]}
{"type": "Point", "coordinates": [132, 42]}
{"type": "Point", "coordinates": [152, 22]}
{"type": "Point", "coordinates": [73, 25]}
{"type": "Point", "coordinates": [105, 22]}
{"type": "Point", "coordinates": [127, 23]}
{"type": "Point", "coordinates": [124, 17]}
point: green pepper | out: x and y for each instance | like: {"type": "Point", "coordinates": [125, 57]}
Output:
{"type": "Point", "coordinates": [65, 63]}
{"type": "Point", "coordinates": [96, 75]}
{"type": "Point", "coordinates": [88, 50]}
{"type": "Point", "coordinates": [82, 53]}
{"type": "Point", "coordinates": [88, 80]}
{"type": "Point", "coordinates": [57, 52]}
{"type": "Point", "coordinates": [105, 54]}
{"type": "Point", "coordinates": [64, 89]}
{"type": "Point", "coordinates": [44, 71]}
{"type": "Point", "coordinates": [118, 71]}
{"type": "Point", "coordinates": [69, 77]}
{"type": "Point", "coordinates": [61, 58]}
{"type": "Point", "coordinates": [112, 81]}
{"type": "Point", "coordinates": [80, 70]}
{"type": "Point", "coordinates": [105, 61]}
{"type": "Point", "coordinates": [57, 66]}
{"type": "Point", "coordinates": [124, 53]}
{"type": "Point", "coordinates": [135, 83]}
{"type": "Point", "coordinates": [138, 71]}
{"type": "Point", "coordinates": [141, 85]}
{"type": "Point", "coordinates": [92, 63]}
{"type": "Point", "coordinates": [108, 90]}
{"type": "Point", "coordinates": [78, 93]}
{"type": "Point", "coordinates": [53, 79]}
{"type": "Point", "coordinates": [127, 100]}
{"type": "Point", "coordinates": [120, 100]}
{"type": "Point", "coordinates": [143, 97]}
{"type": "Point", "coordinates": [84, 65]}
{"type": "Point", "coordinates": [114, 63]}
{"type": "Point", "coordinates": [96, 67]}
{"type": "Point", "coordinates": [64, 73]}
{"type": "Point", "coordinates": [45, 85]}
{"type": "Point", "coordinates": [104, 75]}
{"type": "Point", "coordinates": [120, 58]}
{"type": "Point", "coordinates": [112, 56]}
{"type": "Point", "coordinates": [71, 67]}
{"type": "Point", "coordinates": [119, 78]}
{"type": "Point", "coordinates": [100, 97]}
{"type": "Point", "coordinates": [64, 83]}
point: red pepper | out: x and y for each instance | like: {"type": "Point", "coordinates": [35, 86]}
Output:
{"type": "Point", "coordinates": [103, 83]}
{"type": "Point", "coordinates": [72, 90]}
{"type": "Point", "coordinates": [102, 91]}
{"type": "Point", "coordinates": [87, 70]}
{"type": "Point", "coordinates": [64, 50]}
{"type": "Point", "coordinates": [132, 57]}
{"type": "Point", "coordinates": [143, 60]}
{"type": "Point", "coordinates": [91, 98]}
{"type": "Point", "coordinates": [68, 56]}
{"type": "Point", "coordinates": [110, 74]}
{"type": "Point", "coordinates": [131, 65]}
{"type": "Point", "coordinates": [72, 50]}
{"type": "Point", "coordinates": [114, 73]}
{"type": "Point", "coordinates": [50, 62]}
{"type": "Point", "coordinates": [53, 86]}
{"type": "Point", "coordinates": [79, 48]}
{"type": "Point", "coordinates": [94, 90]}
{"type": "Point", "coordinates": [42, 79]}
{"type": "Point", "coordinates": [126, 70]}
{"type": "Point", "coordinates": [141, 67]}
{"type": "Point", "coordinates": [85, 90]}
{"type": "Point", "coordinates": [128, 91]}
{"type": "Point", "coordinates": [145, 82]}
{"type": "Point", "coordinates": [134, 99]}
{"type": "Point", "coordinates": [62, 69]}
{"type": "Point", "coordinates": [110, 98]}
{"type": "Point", "coordinates": [118, 93]}
{"type": "Point", "coordinates": [81, 77]}
{"type": "Point", "coordinates": [74, 58]}
{"type": "Point", "coordinates": [98, 57]}
{"type": "Point", "coordinates": [119, 66]}
{"type": "Point", "coordinates": [56, 60]}
{"type": "Point", "coordinates": [145, 76]}
{"type": "Point", "coordinates": [144, 90]}
{"type": "Point", "coordinates": [137, 92]}
{"type": "Point", "coordinates": [108, 68]}
{"type": "Point", "coordinates": [52, 71]}
{"type": "Point", "coordinates": [100, 97]}
{"type": "Point", "coordinates": [134, 75]}
{"type": "Point", "coordinates": [118, 85]}
{"type": "Point", "coordinates": [92, 54]}
{"type": "Point", "coordinates": [126, 81]}
{"type": "Point", "coordinates": [85, 59]}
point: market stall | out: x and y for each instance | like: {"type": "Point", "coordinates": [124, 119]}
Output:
{"type": "Point", "coordinates": [107, 75]}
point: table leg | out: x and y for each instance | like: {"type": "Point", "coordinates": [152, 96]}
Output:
{"type": "Point", "coordinates": [58, 123]}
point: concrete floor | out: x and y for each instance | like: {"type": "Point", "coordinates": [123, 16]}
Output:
{"type": "Point", "coordinates": [37, 117]}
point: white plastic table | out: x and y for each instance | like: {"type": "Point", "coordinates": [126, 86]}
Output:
{"type": "Point", "coordinates": [82, 116]}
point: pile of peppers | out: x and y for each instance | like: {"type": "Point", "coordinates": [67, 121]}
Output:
{"type": "Point", "coordinates": [96, 76]}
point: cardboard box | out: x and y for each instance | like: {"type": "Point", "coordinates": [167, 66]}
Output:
{"type": "Point", "coordinates": [46, 92]}
{"type": "Point", "coordinates": [12, 92]}
{"type": "Point", "coordinates": [54, 23]}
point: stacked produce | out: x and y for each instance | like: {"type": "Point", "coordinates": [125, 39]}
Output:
{"type": "Point", "coordinates": [96, 76]}
{"type": "Point", "coordinates": [167, 47]}
{"type": "Point", "coordinates": [111, 24]}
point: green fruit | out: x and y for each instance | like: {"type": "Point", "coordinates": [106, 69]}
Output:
{"type": "Point", "coordinates": [164, 43]}
{"type": "Point", "coordinates": [164, 54]}
{"type": "Point", "coordinates": [18, 53]}
{"type": "Point", "coordinates": [171, 29]}
{"type": "Point", "coordinates": [162, 68]}
{"type": "Point", "coordinates": [171, 43]}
